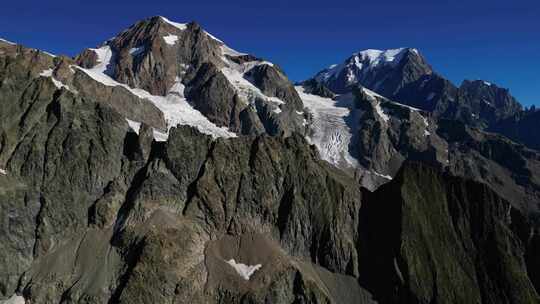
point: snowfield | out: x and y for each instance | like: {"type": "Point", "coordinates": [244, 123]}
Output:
{"type": "Point", "coordinates": [245, 271]}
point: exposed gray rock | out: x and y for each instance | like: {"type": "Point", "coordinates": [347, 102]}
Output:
{"type": "Point", "coordinates": [427, 213]}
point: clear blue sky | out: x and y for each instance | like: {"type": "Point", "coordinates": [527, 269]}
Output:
{"type": "Point", "coordinates": [495, 40]}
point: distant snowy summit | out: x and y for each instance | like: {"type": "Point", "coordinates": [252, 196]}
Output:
{"type": "Point", "coordinates": [374, 69]}
{"type": "Point", "coordinates": [404, 75]}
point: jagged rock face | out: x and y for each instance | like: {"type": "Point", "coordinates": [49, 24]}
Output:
{"type": "Point", "coordinates": [152, 235]}
{"type": "Point", "coordinates": [509, 168]}
{"type": "Point", "coordinates": [475, 103]}
{"type": "Point", "coordinates": [431, 93]}
{"type": "Point", "coordinates": [152, 53]}
{"type": "Point", "coordinates": [385, 141]}
{"type": "Point", "coordinates": [314, 87]}
{"type": "Point", "coordinates": [489, 101]}
{"type": "Point", "coordinates": [428, 213]}
{"type": "Point", "coordinates": [520, 128]}
{"type": "Point", "coordinates": [61, 143]}
{"type": "Point", "coordinates": [101, 214]}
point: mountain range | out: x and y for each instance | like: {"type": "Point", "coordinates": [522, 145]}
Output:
{"type": "Point", "coordinates": [163, 166]}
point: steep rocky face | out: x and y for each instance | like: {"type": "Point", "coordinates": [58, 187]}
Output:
{"type": "Point", "coordinates": [427, 213]}
{"type": "Point", "coordinates": [432, 93]}
{"type": "Point", "coordinates": [520, 128]}
{"type": "Point", "coordinates": [489, 102]}
{"type": "Point", "coordinates": [161, 228]}
{"type": "Point", "coordinates": [152, 53]}
{"type": "Point", "coordinates": [509, 168]}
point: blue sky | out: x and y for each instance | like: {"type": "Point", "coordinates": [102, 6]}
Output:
{"type": "Point", "coordinates": [495, 40]}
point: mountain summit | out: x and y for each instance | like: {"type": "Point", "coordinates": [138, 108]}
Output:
{"type": "Point", "coordinates": [382, 71]}
{"type": "Point", "coordinates": [178, 66]}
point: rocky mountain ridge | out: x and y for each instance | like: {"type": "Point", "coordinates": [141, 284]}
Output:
{"type": "Point", "coordinates": [165, 167]}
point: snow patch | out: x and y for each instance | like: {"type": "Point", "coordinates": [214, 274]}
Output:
{"type": "Point", "coordinates": [405, 106]}
{"type": "Point", "coordinates": [178, 87]}
{"type": "Point", "coordinates": [176, 109]}
{"type": "Point", "coordinates": [180, 26]}
{"type": "Point", "coordinates": [8, 42]}
{"type": "Point", "coordinates": [376, 98]}
{"type": "Point", "coordinates": [425, 121]}
{"type": "Point", "coordinates": [245, 271]}
{"type": "Point", "coordinates": [15, 299]}
{"type": "Point", "coordinates": [48, 54]}
{"type": "Point", "coordinates": [487, 83]}
{"type": "Point", "coordinates": [225, 50]}
{"type": "Point", "coordinates": [212, 36]}
{"type": "Point", "coordinates": [46, 73]}
{"type": "Point", "coordinates": [160, 136]}
{"type": "Point", "coordinates": [371, 93]}
{"type": "Point", "coordinates": [57, 83]}
{"type": "Point", "coordinates": [430, 96]}
{"type": "Point", "coordinates": [170, 39]}
{"type": "Point", "coordinates": [134, 125]}
{"type": "Point", "coordinates": [382, 175]}
{"type": "Point", "coordinates": [3, 172]}
{"type": "Point", "coordinates": [136, 50]}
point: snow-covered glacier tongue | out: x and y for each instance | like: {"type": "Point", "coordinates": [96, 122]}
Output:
{"type": "Point", "coordinates": [331, 128]}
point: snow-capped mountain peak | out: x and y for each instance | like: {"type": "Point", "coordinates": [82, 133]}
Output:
{"type": "Point", "coordinates": [371, 68]}
{"type": "Point", "coordinates": [365, 60]}
{"type": "Point", "coordinates": [194, 78]}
